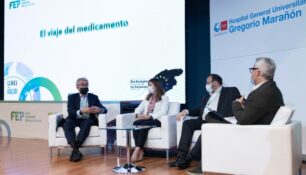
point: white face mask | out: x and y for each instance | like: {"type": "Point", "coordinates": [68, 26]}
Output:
{"type": "Point", "coordinates": [151, 89]}
{"type": "Point", "coordinates": [208, 88]}
{"type": "Point", "coordinates": [252, 81]}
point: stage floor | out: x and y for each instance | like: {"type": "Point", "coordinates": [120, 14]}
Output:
{"type": "Point", "coordinates": [32, 157]}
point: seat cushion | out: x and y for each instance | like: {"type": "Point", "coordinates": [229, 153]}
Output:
{"type": "Point", "coordinates": [94, 132]}
{"type": "Point", "coordinates": [283, 116]}
{"type": "Point", "coordinates": [154, 133]}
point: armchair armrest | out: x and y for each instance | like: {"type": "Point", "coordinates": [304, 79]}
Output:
{"type": "Point", "coordinates": [123, 120]}
{"type": "Point", "coordinates": [102, 120]}
{"type": "Point", "coordinates": [168, 131]}
{"type": "Point", "coordinates": [228, 148]}
{"type": "Point", "coordinates": [54, 119]}
{"type": "Point", "coordinates": [179, 127]}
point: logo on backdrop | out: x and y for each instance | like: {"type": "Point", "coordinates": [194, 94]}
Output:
{"type": "Point", "coordinates": [16, 75]}
{"type": "Point", "coordinates": [20, 84]}
{"type": "Point", "coordinates": [268, 16]}
{"type": "Point", "coordinates": [166, 77]}
{"type": "Point", "coordinates": [15, 4]}
{"type": "Point", "coordinates": [21, 116]}
{"type": "Point", "coordinates": [220, 26]}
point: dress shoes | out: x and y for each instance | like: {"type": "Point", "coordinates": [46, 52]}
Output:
{"type": "Point", "coordinates": [174, 163]}
{"type": "Point", "coordinates": [184, 162]}
{"type": "Point", "coordinates": [77, 156]}
{"type": "Point", "coordinates": [180, 155]}
{"type": "Point", "coordinates": [72, 154]}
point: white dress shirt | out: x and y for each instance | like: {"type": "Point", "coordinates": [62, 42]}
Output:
{"type": "Point", "coordinates": [212, 103]}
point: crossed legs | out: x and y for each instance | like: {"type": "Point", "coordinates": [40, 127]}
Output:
{"type": "Point", "coordinates": [74, 140]}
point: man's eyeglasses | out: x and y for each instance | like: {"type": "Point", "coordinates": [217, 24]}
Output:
{"type": "Point", "coordinates": [252, 69]}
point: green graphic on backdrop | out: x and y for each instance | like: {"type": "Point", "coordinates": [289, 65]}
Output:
{"type": "Point", "coordinates": [35, 83]}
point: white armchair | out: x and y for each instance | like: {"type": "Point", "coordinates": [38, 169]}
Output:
{"type": "Point", "coordinates": [179, 127]}
{"type": "Point", "coordinates": [163, 137]}
{"type": "Point", "coordinates": [58, 140]}
{"type": "Point", "coordinates": [252, 149]}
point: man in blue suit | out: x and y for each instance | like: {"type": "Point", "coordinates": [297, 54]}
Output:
{"type": "Point", "coordinates": [83, 108]}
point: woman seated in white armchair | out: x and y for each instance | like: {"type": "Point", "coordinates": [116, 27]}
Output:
{"type": "Point", "coordinates": [149, 111]}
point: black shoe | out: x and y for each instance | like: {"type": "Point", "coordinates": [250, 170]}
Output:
{"type": "Point", "coordinates": [180, 155]}
{"type": "Point", "coordinates": [72, 154]}
{"type": "Point", "coordinates": [77, 156]}
{"type": "Point", "coordinates": [184, 162]}
{"type": "Point", "coordinates": [81, 155]}
{"type": "Point", "coordinates": [174, 163]}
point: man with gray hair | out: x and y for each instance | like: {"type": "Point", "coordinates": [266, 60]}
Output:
{"type": "Point", "coordinates": [261, 105]}
{"type": "Point", "coordinates": [265, 99]}
{"type": "Point", "coordinates": [83, 108]}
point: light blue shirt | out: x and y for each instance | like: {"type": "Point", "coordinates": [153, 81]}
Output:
{"type": "Point", "coordinates": [83, 104]}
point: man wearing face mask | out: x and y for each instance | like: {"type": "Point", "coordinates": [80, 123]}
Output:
{"type": "Point", "coordinates": [218, 99]}
{"type": "Point", "coordinates": [263, 101]}
{"type": "Point", "coordinates": [83, 108]}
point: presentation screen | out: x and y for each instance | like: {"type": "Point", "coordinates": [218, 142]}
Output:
{"type": "Point", "coordinates": [117, 45]}
{"type": "Point", "coordinates": [241, 31]}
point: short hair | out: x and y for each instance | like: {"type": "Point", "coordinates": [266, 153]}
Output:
{"type": "Point", "coordinates": [216, 77]}
{"type": "Point", "coordinates": [267, 67]}
{"type": "Point", "coordinates": [81, 79]}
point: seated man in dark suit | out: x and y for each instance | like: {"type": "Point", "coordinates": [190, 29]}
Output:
{"type": "Point", "coordinates": [83, 108]}
{"type": "Point", "coordinates": [219, 99]}
{"type": "Point", "coordinates": [265, 99]}
{"type": "Point", "coordinates": [262, 103]}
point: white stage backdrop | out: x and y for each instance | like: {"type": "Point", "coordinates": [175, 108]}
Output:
{"type": "Point", "coordinates": [118, 45]}
{"type": "Point", "coordinates": [242, 30]}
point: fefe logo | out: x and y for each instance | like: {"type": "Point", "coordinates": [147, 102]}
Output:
{"type": "Point", "coordinates": [17, 115]}
{"type": "Point", "coordinates": [14, 4]}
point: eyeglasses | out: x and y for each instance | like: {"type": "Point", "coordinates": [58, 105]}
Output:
{"type": "Point", "coordinates": [252, 69]}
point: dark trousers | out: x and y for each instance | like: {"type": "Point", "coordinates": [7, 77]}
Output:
{"type": "Point", "coordinates": [196, 151]}
{"type": "Point", "coordinates": [189, 126]}
{"type": "Point", "coordinates": [141, 136]}
{"type": "Point", "coordinates": [69, 128]}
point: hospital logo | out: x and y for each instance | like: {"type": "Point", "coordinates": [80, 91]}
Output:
{"type": "Point", "coordinates": [221, 26]}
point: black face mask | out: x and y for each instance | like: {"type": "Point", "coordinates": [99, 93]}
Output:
{"type": "Point", "coordinates": [84, 90]}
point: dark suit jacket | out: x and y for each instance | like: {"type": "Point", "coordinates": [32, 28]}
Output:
{"type": "Point", "coordinates": [227, 96]}
{"type": "Point", "coordinates": [260, 106]}
{"type": "Point", "coordinates": [73, 105]}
